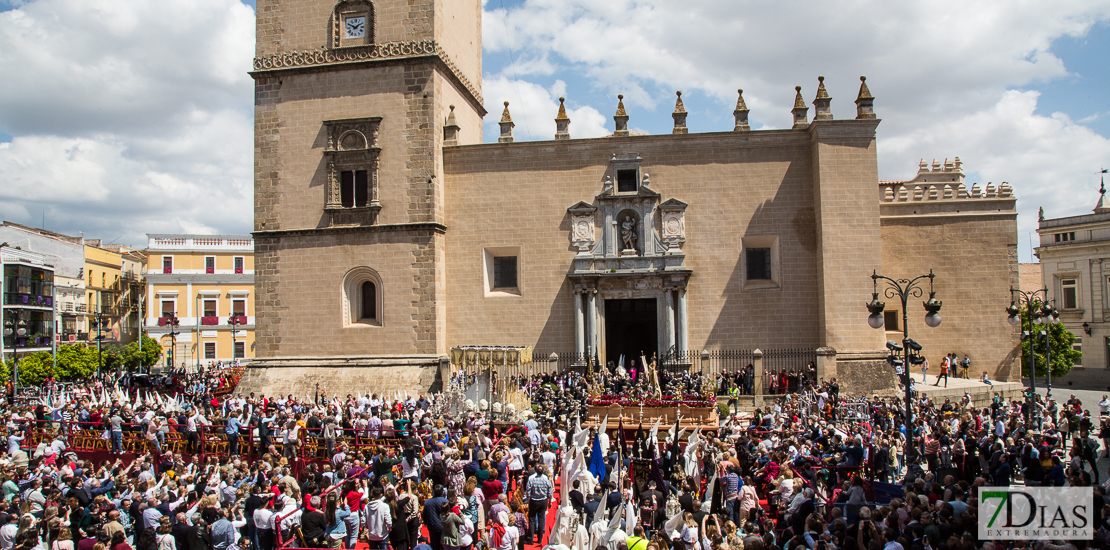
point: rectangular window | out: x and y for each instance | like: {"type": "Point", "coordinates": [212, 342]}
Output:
{"type": "Point", "coordinates": [626, 181]}
{"type": "Point", "coordinates": [167, 265]}
{"type": "Point", "coordinates": [168, 308]}
{"type": "Point", "coordinates": [209, 307]}
{"type": "Point", "coordinates": [893, 320]}
{"type": "Point", "coordinates": [759, 263]}
{"type": "Point", "coordinates": [347, 188]}
{"type": "Point", "coordinates": [1070, 292]}
{"type": "Point", "coordinates": [504, 272]}
{"type": "Point", "coordinates": [209, 350]}
{"type": "Point", "coordinates": [240, 350]}
{"type": "Point", "coordinates": [1064, 237]}
{"type": "Point", "coordinates": [209, 264]}
{"type": "Point", "coordinates": [354, 188]}
{"type": "Point", "coordinates": [239, 262]}
{"type": "Point", "coordinates": [239, 306]}
{"type": "Point", "coordinates": [361, 197]}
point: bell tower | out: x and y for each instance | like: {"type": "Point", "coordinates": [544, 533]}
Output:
{"type": "Point", "coordinates": [351, 100]}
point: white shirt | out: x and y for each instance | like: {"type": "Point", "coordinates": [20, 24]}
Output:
{"type": "Point", "coordinates": [1104, 406]}
{"type": "Point", "coordinates": [517, 463]}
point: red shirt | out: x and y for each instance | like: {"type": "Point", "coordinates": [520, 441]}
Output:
{"type": "Point", "coordinates": [354, 500]}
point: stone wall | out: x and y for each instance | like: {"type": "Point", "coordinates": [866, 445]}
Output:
{"type": "Point", "coordinates": [343, 376]}
{"type": "Point", "coordinates": [973, 253]}
{"type": "Point", "coordinates": [738, 185]}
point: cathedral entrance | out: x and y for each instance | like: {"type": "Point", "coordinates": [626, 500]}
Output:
{"type": "Point", "coordinates": [630, 330]}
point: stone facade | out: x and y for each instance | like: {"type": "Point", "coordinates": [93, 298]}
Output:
{"type": "Point", "coordinates": [726, 240]}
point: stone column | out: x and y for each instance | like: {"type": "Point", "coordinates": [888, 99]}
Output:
{"type": "Point", "coordinates": [591, 321]}
{"type": "Point", "coordinates": [705, 362]}
{"type": "Point", "coordinates": [579, 322]}
{"type": "Point", "coordinates": [757, 377]}
{"type": "Point", "coordinates": [681, 325]}
{"type": "Point", "coordinates": [826, 363]}
{"type": "Point", "coordinates": [668, 320]}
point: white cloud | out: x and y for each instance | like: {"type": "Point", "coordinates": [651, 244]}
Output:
{"type": "Point", "coordinates": [533, 109]}
{"type": "Point", "coordinates": [1049, 160]}
{"type": "Point", "coordinates": [952, 78]}
{"type": "Point", "coordinates": [127, 113]}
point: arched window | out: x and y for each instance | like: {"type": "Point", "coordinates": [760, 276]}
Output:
{"type": "Point", "coordinates": [369, 300]}
{"type": "Point", "coordinates": [362, 298]}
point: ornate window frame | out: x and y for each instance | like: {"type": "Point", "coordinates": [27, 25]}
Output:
{"type": "Point", "coordinates": [351, 8]}
{"type": "Point", "coordinates": [352, 145]}
{"type": "Point", "coordinates": [352, 297]}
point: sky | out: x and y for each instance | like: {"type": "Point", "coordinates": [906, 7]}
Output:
{"type": "Point", "coordinates": [125, 117]}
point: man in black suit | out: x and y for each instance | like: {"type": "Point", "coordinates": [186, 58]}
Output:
{"type": "Point", "coordinates": [314, 526]}
{"type": "Point", "coordinates": [577, 500]}
{"type": "Point", "coordinates": [651, 502]}
{"type": "Point", "coordinates": [593, 504]}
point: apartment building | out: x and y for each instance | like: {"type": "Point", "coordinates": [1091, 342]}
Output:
{"type": "Point", "coordinates": [200, 302]}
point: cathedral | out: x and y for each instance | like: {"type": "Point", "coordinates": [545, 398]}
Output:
{"type": "Point", "coordinates": [387, 233]}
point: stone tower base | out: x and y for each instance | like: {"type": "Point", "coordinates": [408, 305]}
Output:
{"type": "Point", "coordinates": [865, 373]}
{"type": "Point", "coordinates": [339, 376]}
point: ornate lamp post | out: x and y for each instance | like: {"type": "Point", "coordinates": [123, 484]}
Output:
{"type": "Point", "coordinates": [1039, 313]}
{"type": "Point", "coordinates": [173, 323]}
{"type": "Point", "coordinates": [234, 322]}
{"type": "Point", "coordinates": [15, 328]}
{"type": "Point", "coordinates": [903, 290]}
{"type": "Point", "coordinates": [99, 316]}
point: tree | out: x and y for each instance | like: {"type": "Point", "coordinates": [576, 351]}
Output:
{"type": "Point", "coordinates": [138, 356]}
{"type": "Point", "coordinates": [75, 362]}
{"type": "Point", "coordinates": [33, 368]}
{"type": "Point", "coordinates": [1060, 344]}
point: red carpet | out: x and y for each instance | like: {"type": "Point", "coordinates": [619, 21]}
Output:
{"type": "Point", "coordinates": [550, 524]}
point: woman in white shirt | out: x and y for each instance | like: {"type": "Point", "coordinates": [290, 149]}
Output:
{"type": "Point", "coordinates": [502, 535]}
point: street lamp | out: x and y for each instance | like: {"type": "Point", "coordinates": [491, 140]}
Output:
{"type": "Point", "coordinates": [234, 322]}
{"type": "Point", "coordinates": [1039, 314]}
{"type": "Point", "coordinates": [903, 290]}
{"type": "Point", "coordinates": [15, 327]}
{"type": "Point", "coordinates": [99, 315]}
{"type": "Point", "coordinates": [173, 323]}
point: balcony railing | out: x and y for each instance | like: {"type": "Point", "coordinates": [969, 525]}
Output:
{"type": "Point", "coordinates": [238, 319]}
{"type": "Point", "coordinates": [35, 341]}
{"type": "Point", "coordinates": [209, 320]}
{"type": "Point", "coordinates": [19, 298]}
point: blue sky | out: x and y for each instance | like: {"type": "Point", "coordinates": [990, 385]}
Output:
{"type": "Point", "coordinates": [108, 128]}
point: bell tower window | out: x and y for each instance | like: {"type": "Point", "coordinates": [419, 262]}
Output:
{"type": "Point", "coordinates": [351, 155]}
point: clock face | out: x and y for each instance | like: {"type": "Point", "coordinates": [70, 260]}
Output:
{"type": "Point", "coordinates": [356, 27]}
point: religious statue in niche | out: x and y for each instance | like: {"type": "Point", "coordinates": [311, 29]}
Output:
{"type": "Point", "coordinates": [628, 234]}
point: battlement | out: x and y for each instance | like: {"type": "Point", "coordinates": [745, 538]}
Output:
{"type": "Point", "coordinates": [940, 182]}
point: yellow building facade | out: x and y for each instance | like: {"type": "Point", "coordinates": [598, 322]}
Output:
{"type": "Point", "coordinates": [200, 298]}
{"type": "Point", "coordinates": [103, 270]}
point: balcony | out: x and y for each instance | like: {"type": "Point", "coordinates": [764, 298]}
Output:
{"type": "Point", "coordinates": [209, 320]}
{"type": "Point", "coordinates": [32, 341]}
{"type": "Point", "coordinates": [19, 298]}
{"type": "Point", "coordinates": [165, 321]}
{"type": "Point", "coordinates": [237, 319]}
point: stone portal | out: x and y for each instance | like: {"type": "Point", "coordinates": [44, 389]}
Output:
{"type": "Point", "coordinates": [630, 330]}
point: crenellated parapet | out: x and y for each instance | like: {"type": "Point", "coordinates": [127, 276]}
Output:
{"type": "Point", "coordinates": [943, 184]}
{"type": "Point", "coordinates": [940, 182]}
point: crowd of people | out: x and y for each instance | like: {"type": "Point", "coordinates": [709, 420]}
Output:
{"type": "Point", "coordinates": [813, 470]}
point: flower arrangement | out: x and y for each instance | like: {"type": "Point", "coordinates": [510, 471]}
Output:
{"type": "Point", "coordinates": [689, 400]}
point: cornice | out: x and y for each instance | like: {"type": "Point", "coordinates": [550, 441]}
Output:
{"type": "Point", "coordinates": [386, 228]}
{"type": "Point", "coordinates": [324, 59]}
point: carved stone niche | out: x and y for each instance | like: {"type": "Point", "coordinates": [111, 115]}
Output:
{"type": "Point", "coordinates": [582, 226]}
{"type": "Point", "coordinates": [351, 155]}
{"type": "Point", "coordinates": [673, 223]}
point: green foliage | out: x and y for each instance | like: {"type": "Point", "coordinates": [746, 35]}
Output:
{"type": "Point", "coordinates": [75, 362]}
{"type": "Point", "coordinates": [1060, 343]}
{"type": "Point", "coordinates": [135, 357]}
{"type": "Point", "coordinates": [33, 368]}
